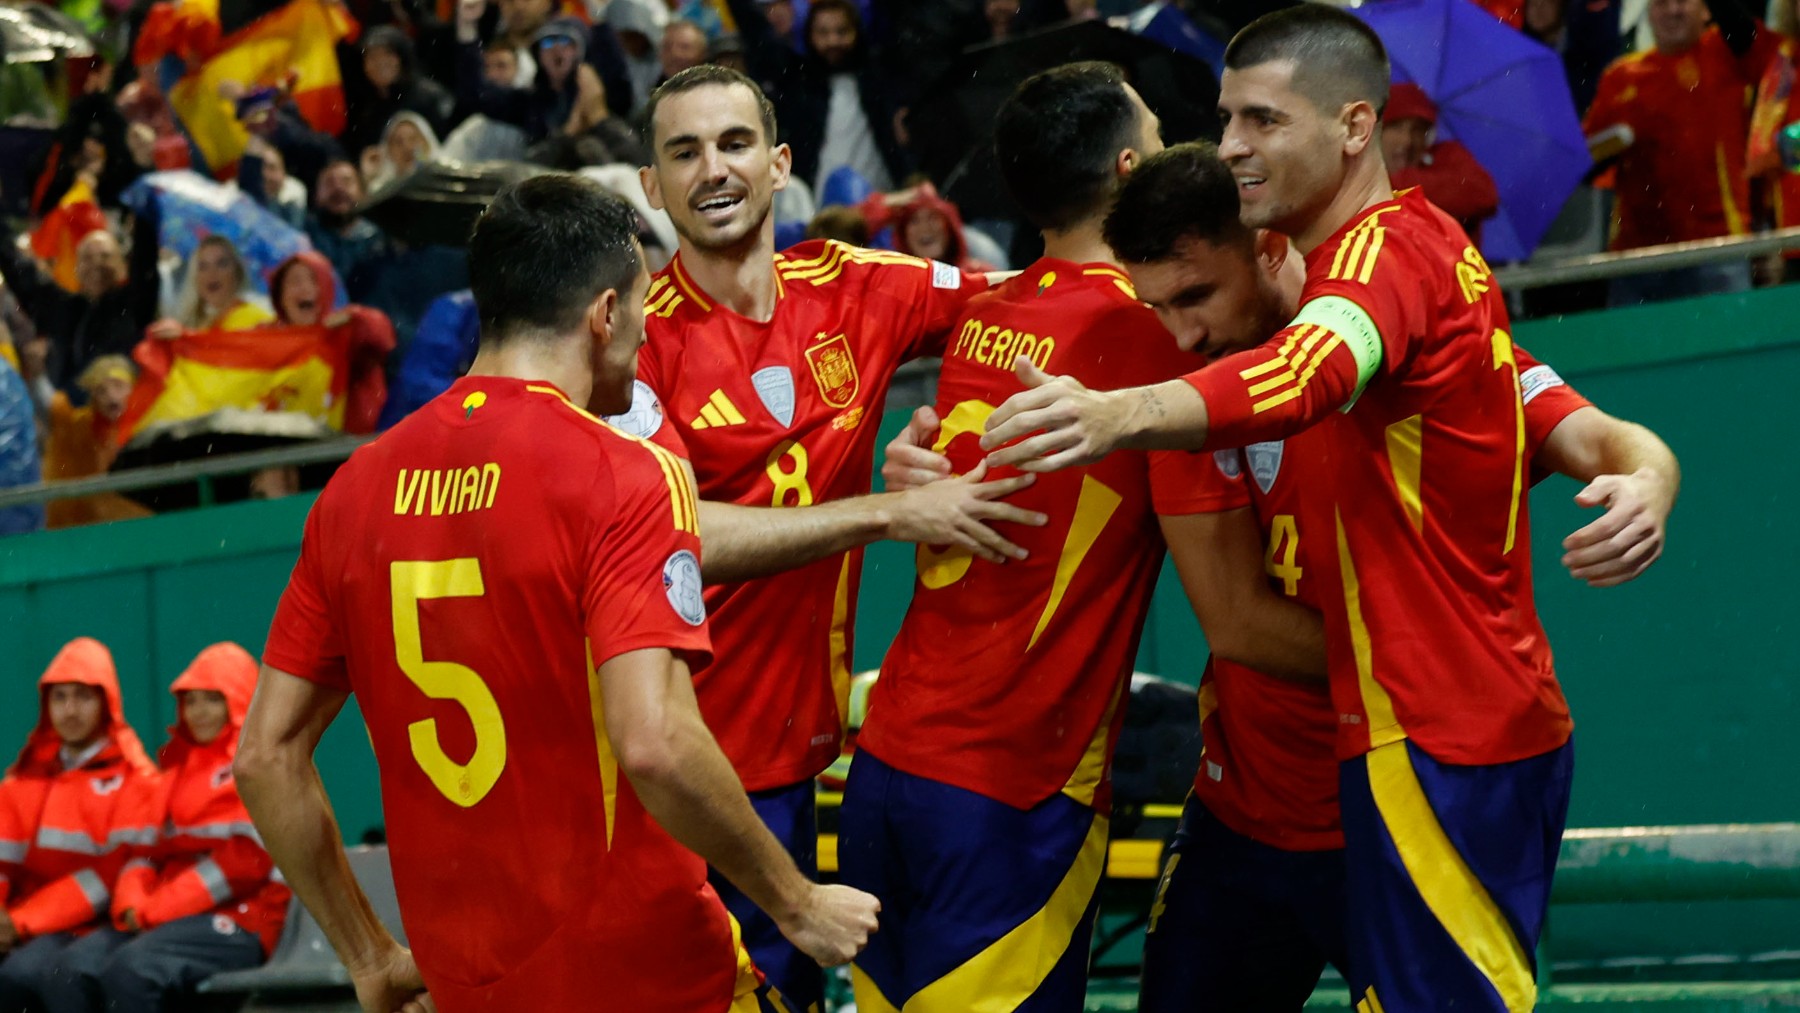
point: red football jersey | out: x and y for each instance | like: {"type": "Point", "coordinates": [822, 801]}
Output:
{"type": "Point", "coordinates": [1431, 627]}
{"type": "Point", "coordinates": [1269, 770]}
{"type": "Point", "coordinates": [465, 575]}
{"type": "Point", "coordinates": [785, 414]}
{"type": "Point", "coordinates": [1008, 680]}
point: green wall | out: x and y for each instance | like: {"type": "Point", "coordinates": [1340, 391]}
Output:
{"type": "Point", "coordinates": [1685, 684]}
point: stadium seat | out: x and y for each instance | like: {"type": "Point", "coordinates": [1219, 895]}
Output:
{"type": "Point", "coordinates": [303, 971]}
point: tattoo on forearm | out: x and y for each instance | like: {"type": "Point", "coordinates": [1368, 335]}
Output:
{"type": "Point", "coordinates": [1154, 405]}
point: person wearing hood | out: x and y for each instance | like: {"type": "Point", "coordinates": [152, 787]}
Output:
{"type": "Point", "coordinates": [303, 291]}
{"type": "Point", "coordinates": [64, 825]}
{"type": "Point", "coordinates": [563, 76]}
{"type": "Point", "coordinates": [407, 143]}
{"type": "Point", "coordinates": [394, 85]}
{"type": "Point", "coordinates": [201, 897]}
{"type": "Point", "coordinates": [925, 225]}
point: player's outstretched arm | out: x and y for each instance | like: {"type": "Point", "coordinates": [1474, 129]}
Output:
{"type": "Point", "coordinates": [745, 542]}
{"type": "Point", "coordinates": [281, 788]}
{"type": "Point", "coordinates": [1218, 557]}
{"type": "Point", "coordinates": [1631, 472]}
{"type": "Point", "coordinates": [688, 786]}
{"type": "Point", "coordinates": [1076, 425]}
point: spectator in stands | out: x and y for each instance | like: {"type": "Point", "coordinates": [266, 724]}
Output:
{"type": "Point", "coordinates": [82, 442]}
{"type": "Point", "coordinates": [683, 46]}
{"type": "Point", "coordinates": [408, 141]}
{"type": "Point", "coordinates": [1449, 174]}
{"type": "Point", "coordinates": [839, 104]}
{"type": "Point", "coordinates": [200, 897]}
{"type": "Point", "coordinates": [394, 86]}
{"type": "Point", "coordinates": [480, 138]}
{"type": "Point", "coordinates": [1680, 110]}
{"type": "Point", "coordinates": [63, 833]}
{"type": "Point", "coordinates": [1585, 33]}
{"type": "Point", "coordinates": [780, 15]}
{"type": "Point", "coordinates": [19, 465]}
{"type": "Point", "coordinates": [302, 291]}
{"type": "Point", "coordinates": [440, 352]}
{"type": "Point", "coordinates": [925, 225]}
{"type": "Point", "coordinates": [635, 26]}
{"type": "Point", "coordinates": [286, 195]}
{"type": "Point", "coordinates": [351, 242]}
{"type": "Point", "coordinates": [521, 19]}
{"type": "Point", "coordinates": [215, 291]}
{"type": "Point", "coordinates": [107, 313]}
{"type": "Point", "coordinates": [566, 98]}
{"type": "Point", "coordinates": [844, 224]}
{"type": "Point", "coordinates": [1777, 189]}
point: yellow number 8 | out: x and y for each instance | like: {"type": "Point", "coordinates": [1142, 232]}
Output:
{"type": "Point", "coordinates": [413, 582]}
{"type": "Point", "coordinates": [787, 481]}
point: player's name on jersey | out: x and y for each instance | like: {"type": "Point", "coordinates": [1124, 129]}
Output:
{"type": "Point", "coordinates": [999, 347]}
{"type": "Point", "coordinates": [438, 491]}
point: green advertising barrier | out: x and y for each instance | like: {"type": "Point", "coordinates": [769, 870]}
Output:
{"type": "Point", "coordinates": [1685, 684]}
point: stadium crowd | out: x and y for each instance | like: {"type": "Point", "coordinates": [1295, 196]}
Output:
{"type": "Point", "coordinates": [373, 316]}
{"type": "Point", "coordinates": [642, 453]}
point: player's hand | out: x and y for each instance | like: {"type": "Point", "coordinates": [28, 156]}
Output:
{"type": "Point", "coordinates": [834, 925]}
{"type": "Point", "coordinates": [958, 511]}
{"type": "Point", "coordinates": [1628, 537]}
{"type": "Point", "coordinates": [1078, 426]}
{"type": "Point", "coordinates": [910, 462]}
{"type": "Point", "coordinates": [391, 983]}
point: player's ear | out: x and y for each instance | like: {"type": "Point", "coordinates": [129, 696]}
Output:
{"type": "Point", "coordinates": [652, 187]}
{"type": "Point", "coordinates": [1360, 124]}
{"type": "Point", "coordinates": [782, 166]}
{"type": "Point", "coordinates": [1127, 161]}
{"type": "Point", "coordinates": [600, 317]}
{"type": "Point", "coordinates": [1272, 249]}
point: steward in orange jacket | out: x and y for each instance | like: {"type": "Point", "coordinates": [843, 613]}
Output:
{"type": "Point", "coordinates": [201, 897]}
{"type": "Point", "coordinates": [63, 820]}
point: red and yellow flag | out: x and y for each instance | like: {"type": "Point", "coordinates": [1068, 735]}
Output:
{"type": "Point", "coordinates": [76, 215]}
{"type": "Point", "coordinates": [279, 369]}
{"type": "Point", "coordinates": [300, 37]}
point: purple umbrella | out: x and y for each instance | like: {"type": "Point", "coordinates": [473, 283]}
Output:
{"type": "Point", "coordinates": [1504, 97]}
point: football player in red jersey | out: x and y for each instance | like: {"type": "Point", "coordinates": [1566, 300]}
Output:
{"type": "Point", "coordinates": [978, 804]}
{"type": "Point", "coordinates": [1448, 705]}
{"type": "Point", "coordinates": [519, 629]}
{"type": "Point", "coordinates": [768, 372]}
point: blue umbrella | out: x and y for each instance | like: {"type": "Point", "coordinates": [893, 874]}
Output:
{"type": "Point", "coordinates": [1504, 96]}
{"type": "Point", "coordinates": [192, 207]}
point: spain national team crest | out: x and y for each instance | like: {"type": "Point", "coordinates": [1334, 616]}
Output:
{"type": "Point", "coordinates": [834, 369]}
{"type": "Point", "coordinates": [775, 386]}
{"type": "Point", "coordinates": [1265, 463]}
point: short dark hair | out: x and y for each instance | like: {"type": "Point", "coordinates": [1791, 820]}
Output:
{"type": "Point", "coordinates": [1337, 58]}
{"type": "Point", "coordinates": [1056, 139]}
{"type": "Point", "coordinates": [844, 7]}
{"type": "Point", "coordinates": [699, 77]}
{"type": "Point", "coordinates": [1176, 196]}
{"type": "Point", "coordinates": [543, 250]}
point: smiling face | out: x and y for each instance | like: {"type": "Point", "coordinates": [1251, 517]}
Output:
{"type": "Point", "coordinates": [833, 37]}
{"type": "Point", "coordinates": [713, 170]}
{"type": "Point", "coordinates": [1676, 24]}
{"type": "Point", "coordinates": [927, 235]}
{"type": "Point", "coordinates": [1286, 153]}
{"type": "Point", "coordinates": [205, 714]}
{"type": "Point", "coordinates": [339, 189]}
{"type": "Point", "coordinates": [77, 712]}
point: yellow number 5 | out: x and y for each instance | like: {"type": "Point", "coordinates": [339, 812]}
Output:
{"type": "Point", "coordinates": [413, 582]}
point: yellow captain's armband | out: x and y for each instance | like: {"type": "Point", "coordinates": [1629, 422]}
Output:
{"type": "Point", "coordinates": [1337, 315]}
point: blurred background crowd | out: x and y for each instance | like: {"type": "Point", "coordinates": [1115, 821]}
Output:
{"type": "Point", "coordinates": [236, 224]}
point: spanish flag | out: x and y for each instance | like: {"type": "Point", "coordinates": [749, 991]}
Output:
{"type": "Point", "coordinates": [299, 38]}
{"type": "Point", "coordinates": [54, 242]}
{"type": "Point", "coordinates": [278, 369]}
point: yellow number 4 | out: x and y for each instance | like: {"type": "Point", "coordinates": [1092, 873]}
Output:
{"type": "Point", "coordinates": [465, 784]}
{"type": "Point", "coordinates": [1284, 548]}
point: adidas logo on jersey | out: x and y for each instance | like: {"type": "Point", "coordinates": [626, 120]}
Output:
{"type": "Point", "coordinates": [717, 411]}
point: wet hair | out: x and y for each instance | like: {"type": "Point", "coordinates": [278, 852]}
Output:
{"type": "Point", "coordinates": [544, 250]}
{"type": "Point", "coordinates": [1176, 196]}
{"type": "Point", "coordinates": [1337, 58]}
{"type": "Point", "coordinates": [1057, 137]}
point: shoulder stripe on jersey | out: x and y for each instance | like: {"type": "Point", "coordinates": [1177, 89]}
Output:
{"type": "Point", "coordinates": [687, 286]}
{"type": "Point", "coordinates": [788, 264]}
{"type": "Point", "coordinates": [865, 256]}
{"type": "Point", "coordinates": [1355, 259]}
{"type": "Point", "coordinates": [665, 301]}
{"type": "Point", "coordinates": [681, 491]}
{"type": "Point", "coordinates": [1119, 279]}
{"type": "Point", "coordinates": [657, 284]}
{"type": "Point", "coordinates": [808, 269]}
